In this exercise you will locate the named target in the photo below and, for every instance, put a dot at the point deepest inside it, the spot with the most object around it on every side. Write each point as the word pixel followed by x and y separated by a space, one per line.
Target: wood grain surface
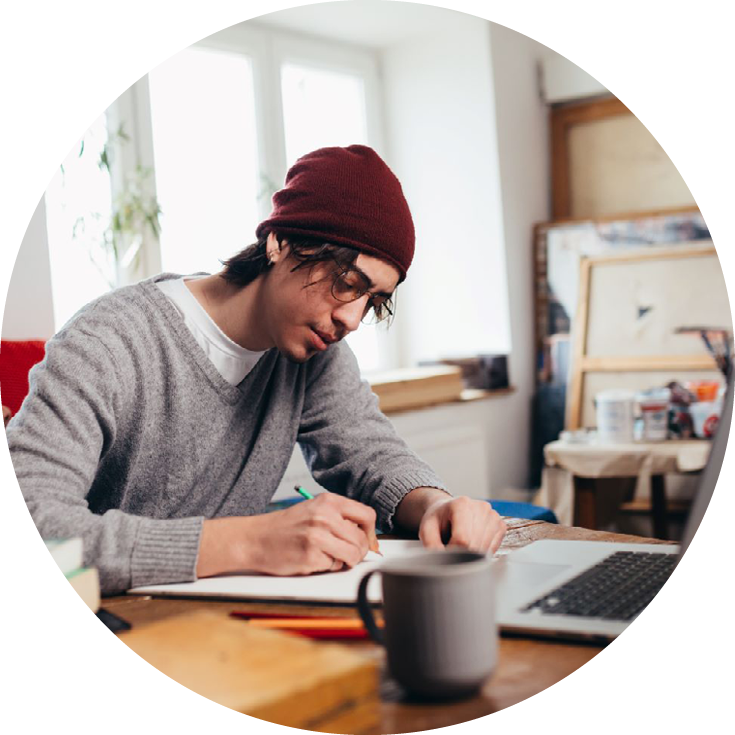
pixel 526 666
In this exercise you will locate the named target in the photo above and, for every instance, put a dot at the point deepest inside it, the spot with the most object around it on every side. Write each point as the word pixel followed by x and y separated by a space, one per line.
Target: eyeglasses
pixel 350 284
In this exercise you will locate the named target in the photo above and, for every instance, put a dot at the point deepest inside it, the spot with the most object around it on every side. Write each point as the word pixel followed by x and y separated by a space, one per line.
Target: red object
pixel 268 616
pixel 322 633
pixel 16 360
pixel 710 426
pixel 326 634
pixel 345 196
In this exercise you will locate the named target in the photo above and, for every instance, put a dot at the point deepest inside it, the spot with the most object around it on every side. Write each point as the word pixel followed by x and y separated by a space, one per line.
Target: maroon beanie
pixel 345 196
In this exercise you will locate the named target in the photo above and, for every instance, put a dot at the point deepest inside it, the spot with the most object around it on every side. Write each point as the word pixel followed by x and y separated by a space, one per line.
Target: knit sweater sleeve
pixel 65 427
pixel 349 445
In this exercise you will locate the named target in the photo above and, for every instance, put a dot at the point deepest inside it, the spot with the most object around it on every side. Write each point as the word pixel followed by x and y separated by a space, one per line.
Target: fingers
pixel 498 537
pixel 474 525
pixel 338 550
pixel 336 530
pixel 353 535
pixel 360 514
pixel 363 516
pixel 495 530
pixel 430 532
pixel 468 523
pixel 326 552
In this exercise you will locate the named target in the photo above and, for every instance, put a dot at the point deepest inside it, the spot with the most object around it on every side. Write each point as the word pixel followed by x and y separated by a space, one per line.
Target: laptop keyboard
pixel 617 588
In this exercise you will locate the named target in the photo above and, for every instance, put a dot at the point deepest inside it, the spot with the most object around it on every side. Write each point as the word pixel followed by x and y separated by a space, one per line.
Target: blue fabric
pixel 524 510
pixel 506 508
pixel 281 504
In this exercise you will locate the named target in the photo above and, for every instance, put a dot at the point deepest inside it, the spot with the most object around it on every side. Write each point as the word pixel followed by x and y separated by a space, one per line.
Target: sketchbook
pixel 329 587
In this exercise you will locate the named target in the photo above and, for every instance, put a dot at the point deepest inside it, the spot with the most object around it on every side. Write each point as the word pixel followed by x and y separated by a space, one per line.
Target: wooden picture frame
pixel 709 294
pixel 605 161
pixel 563 119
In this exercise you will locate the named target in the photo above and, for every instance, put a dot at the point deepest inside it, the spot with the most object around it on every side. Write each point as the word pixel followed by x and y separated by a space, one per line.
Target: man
pixel 162 419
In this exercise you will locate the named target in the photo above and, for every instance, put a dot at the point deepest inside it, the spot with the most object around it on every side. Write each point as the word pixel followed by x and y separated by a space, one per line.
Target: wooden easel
pixel 585 364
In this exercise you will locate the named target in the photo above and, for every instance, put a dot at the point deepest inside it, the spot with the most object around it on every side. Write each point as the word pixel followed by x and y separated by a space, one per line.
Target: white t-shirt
pixel 232 361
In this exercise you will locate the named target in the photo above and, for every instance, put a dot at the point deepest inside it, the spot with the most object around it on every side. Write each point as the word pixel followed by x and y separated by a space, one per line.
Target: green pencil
pixel 304 493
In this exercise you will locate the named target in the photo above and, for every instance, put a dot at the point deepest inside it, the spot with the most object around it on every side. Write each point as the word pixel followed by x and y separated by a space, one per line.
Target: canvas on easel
pixel 560 247
pixel 629 310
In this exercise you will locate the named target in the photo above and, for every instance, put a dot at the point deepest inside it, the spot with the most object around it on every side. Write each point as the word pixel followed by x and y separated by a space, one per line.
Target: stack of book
pixel 67 553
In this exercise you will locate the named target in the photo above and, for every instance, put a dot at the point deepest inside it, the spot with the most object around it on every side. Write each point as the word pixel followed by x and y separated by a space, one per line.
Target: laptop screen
pixel 711 472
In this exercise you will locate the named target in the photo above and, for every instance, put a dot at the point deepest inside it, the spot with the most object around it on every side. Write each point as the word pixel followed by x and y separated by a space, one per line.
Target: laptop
pixel 595 589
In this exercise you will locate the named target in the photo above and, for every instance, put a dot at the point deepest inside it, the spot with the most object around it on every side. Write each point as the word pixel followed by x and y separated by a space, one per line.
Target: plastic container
pixel 706 417
pixel 704 390
pixel 615 419
pixel 654 405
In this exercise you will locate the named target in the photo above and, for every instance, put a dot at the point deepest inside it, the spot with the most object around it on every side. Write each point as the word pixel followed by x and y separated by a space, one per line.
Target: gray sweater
pixel 130 438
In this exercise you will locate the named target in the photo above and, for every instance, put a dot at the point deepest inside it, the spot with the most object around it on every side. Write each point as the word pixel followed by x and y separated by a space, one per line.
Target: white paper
pixel 334 587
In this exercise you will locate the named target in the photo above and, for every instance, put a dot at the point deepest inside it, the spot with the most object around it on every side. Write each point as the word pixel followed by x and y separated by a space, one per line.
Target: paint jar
pixel 654 405
pixel 706 417
pixel 615 419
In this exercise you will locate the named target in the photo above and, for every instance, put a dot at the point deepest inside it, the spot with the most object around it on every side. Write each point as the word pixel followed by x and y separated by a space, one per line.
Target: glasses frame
pixel 387 304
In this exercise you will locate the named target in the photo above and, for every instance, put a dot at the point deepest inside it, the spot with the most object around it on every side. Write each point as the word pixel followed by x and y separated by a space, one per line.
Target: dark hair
pixel 244 267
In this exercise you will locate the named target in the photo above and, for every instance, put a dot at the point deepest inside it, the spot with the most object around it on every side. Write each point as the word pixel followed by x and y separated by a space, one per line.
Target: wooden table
pixel 590 463
pixel 526 666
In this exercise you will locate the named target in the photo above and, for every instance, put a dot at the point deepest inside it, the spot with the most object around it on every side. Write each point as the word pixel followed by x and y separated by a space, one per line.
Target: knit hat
pixel 345 196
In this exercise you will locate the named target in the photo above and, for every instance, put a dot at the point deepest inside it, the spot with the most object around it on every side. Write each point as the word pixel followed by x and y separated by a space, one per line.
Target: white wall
pixel 564 81
pixel 29 312
pixel 523 145
pixel 441 142
pixel 467 134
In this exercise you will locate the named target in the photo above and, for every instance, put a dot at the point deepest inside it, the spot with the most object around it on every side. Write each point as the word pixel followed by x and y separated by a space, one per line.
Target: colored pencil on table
pixel 331 628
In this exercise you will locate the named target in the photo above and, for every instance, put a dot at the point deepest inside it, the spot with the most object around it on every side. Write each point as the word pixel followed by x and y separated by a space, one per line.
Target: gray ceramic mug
pixel 440 633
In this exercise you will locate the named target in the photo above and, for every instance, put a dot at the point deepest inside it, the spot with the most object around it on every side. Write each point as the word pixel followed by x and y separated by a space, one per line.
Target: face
pixel 301 313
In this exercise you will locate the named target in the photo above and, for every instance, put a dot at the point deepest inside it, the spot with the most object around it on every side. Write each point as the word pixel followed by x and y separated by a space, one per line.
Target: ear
pixel 273 249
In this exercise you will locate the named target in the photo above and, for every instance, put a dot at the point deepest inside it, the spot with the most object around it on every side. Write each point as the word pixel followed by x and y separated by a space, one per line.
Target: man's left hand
pixel 470 524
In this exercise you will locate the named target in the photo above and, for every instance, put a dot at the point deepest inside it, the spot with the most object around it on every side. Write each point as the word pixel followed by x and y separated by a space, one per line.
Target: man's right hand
pixel 327 533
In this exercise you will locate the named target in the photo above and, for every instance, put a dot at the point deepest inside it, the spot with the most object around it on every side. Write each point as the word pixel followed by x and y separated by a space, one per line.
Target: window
pixel 327 108
pixel 205 157
pixel 321 108
pixel 78 208
pixel 221 122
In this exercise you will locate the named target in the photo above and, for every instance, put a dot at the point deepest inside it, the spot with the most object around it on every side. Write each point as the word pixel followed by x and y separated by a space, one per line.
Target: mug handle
pixel 366 612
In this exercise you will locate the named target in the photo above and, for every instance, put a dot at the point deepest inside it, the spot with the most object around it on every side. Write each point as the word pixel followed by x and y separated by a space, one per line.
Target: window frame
pixel 267 51
pixel 289 48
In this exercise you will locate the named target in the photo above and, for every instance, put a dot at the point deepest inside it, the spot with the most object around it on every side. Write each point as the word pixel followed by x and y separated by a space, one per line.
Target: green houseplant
pixel 114 239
